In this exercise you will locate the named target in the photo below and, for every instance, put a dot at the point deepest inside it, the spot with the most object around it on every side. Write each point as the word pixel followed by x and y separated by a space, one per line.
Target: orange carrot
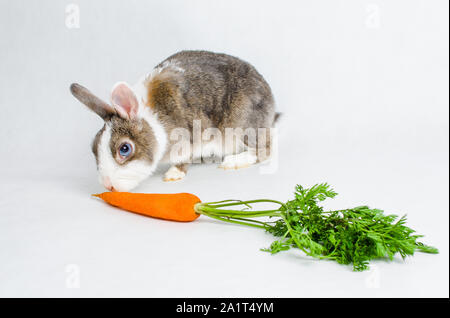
pixel 301 222
pixel 174 207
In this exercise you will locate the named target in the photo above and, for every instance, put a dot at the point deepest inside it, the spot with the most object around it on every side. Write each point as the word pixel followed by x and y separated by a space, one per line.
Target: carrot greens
pixel 349 236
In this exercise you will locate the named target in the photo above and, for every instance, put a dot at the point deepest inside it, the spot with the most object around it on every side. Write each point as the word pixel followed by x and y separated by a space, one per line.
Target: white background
pixel 363 86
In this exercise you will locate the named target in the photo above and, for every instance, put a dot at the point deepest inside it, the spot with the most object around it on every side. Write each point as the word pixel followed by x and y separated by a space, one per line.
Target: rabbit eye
pixel 125 149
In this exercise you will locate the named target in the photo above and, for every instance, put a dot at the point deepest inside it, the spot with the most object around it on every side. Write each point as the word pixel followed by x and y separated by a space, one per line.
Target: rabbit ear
pixel 94 103
pixel 124 101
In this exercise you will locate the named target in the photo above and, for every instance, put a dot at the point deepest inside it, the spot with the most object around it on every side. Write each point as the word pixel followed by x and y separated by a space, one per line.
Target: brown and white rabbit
pixel 217 91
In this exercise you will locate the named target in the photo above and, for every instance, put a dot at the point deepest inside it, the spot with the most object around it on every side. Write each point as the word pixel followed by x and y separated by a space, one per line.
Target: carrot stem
pixel 215 210
pixel 234 220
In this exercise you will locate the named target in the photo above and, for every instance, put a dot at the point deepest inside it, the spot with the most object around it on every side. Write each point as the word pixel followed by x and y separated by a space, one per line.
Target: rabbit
pixel 215 90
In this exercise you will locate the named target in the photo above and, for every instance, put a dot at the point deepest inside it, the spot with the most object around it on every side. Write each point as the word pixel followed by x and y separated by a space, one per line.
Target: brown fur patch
pixel 139 132
pixel 152 91
pixel 163 89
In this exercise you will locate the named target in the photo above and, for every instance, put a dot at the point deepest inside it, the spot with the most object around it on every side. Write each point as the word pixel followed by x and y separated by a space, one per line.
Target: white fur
pixel 241 160
pixel 140 90
pixel 172 64
pixel 174 174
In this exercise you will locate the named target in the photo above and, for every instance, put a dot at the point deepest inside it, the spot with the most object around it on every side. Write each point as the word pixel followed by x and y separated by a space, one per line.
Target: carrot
pixel 355 235
pixel 174 207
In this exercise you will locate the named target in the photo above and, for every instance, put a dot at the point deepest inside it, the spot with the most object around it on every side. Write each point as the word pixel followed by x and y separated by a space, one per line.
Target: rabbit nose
pixel 107 184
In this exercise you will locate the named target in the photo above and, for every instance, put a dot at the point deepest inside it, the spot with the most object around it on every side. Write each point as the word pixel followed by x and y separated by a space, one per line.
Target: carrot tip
pixel 96 195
